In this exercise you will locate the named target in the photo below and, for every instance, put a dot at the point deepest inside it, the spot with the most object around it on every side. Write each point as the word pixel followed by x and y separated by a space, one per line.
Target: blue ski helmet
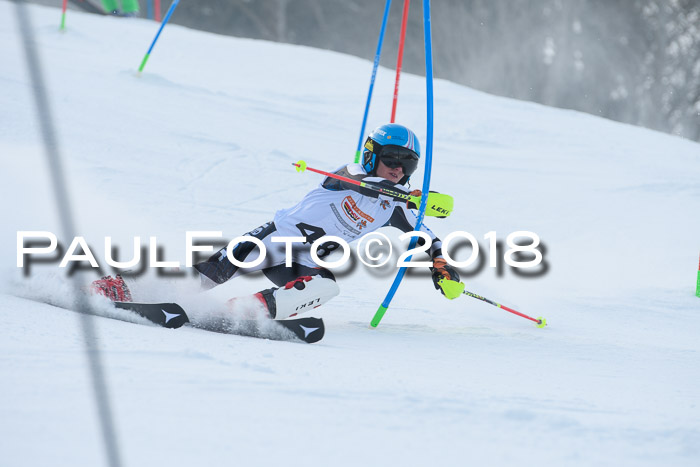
pixel 395 145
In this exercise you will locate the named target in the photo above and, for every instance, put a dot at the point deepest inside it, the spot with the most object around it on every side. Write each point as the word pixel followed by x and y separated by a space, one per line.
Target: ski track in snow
pixel 204 140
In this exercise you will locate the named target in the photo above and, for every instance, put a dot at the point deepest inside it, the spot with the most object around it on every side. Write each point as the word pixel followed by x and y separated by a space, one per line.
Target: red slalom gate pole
pixel 399 61
pixel 541 322
pixel 156 10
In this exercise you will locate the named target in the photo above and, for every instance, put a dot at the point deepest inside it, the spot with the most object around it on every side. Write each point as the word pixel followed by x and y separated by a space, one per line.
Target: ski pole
pixel 541 322
pixel 441 205
pixel 399 60
pixel 377 57
pixel 301 166
pixel 162 25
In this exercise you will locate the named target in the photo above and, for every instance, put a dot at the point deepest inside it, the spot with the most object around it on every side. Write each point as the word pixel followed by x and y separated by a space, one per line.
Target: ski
pixel 171 315
pixel 309 330
pixel 168 315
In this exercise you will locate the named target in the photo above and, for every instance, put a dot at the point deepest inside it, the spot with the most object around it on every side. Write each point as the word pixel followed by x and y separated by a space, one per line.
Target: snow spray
pixel 162 25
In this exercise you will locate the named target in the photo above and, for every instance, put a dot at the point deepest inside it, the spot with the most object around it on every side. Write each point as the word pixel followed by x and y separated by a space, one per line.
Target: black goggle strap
pixel 373 146
pixel 390 150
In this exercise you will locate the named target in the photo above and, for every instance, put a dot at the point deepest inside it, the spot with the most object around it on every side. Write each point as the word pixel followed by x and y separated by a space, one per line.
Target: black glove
pixel 411 204
pixel 442 270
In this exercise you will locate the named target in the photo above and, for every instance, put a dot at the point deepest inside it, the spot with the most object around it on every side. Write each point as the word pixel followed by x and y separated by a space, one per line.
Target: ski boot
pixel 298 296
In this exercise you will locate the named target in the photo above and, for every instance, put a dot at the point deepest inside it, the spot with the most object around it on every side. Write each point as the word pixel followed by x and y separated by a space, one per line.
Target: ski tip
pixel 168 315
pixel 313 331
pixel 314 336
pixel 309 329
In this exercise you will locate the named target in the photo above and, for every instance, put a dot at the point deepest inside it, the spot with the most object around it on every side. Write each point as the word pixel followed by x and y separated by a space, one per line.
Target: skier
pixel 335 208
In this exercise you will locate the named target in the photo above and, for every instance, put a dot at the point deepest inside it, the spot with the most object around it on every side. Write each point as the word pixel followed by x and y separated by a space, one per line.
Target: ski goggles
pixel 397 156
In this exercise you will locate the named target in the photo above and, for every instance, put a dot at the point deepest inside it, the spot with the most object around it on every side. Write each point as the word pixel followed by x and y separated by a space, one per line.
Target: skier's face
pixel 393 174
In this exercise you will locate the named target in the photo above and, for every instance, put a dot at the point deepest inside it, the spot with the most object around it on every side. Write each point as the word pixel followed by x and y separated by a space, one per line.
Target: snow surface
pixel 203 140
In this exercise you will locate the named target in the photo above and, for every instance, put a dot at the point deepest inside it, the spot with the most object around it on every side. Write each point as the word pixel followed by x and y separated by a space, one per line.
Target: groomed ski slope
pixel 204 140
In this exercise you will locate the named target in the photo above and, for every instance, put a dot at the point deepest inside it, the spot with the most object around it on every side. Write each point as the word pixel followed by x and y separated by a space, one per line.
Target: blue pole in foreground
pixel 428 161
pixel 377 56
pixel 162 25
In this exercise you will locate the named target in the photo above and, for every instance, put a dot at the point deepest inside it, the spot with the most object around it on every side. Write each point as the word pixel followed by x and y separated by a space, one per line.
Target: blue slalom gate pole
pixel 377 56
pixel 162 25
pixel 149 9
pixel 428 161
